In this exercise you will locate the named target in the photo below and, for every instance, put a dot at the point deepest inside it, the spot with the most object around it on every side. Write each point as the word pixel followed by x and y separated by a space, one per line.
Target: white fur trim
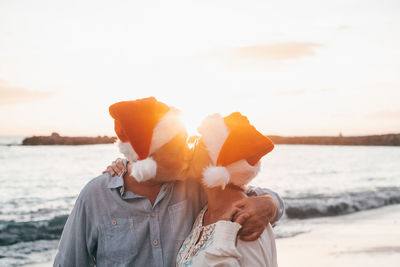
pixel 213 133
pixel 127 150
pixel 242 172
pixel 214 176
pixel 166 129
pixel 143 170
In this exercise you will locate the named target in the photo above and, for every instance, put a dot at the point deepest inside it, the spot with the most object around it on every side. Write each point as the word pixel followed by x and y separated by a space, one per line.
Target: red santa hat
pixel 235 148
pixel 143 126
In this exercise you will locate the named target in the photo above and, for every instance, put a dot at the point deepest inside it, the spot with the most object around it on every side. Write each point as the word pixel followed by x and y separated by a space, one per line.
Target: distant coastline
pixel 367 140
pixel 56 139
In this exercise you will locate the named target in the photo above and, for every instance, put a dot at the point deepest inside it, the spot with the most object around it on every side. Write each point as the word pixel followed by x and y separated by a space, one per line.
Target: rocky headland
pixel 56 139
pixel 367 140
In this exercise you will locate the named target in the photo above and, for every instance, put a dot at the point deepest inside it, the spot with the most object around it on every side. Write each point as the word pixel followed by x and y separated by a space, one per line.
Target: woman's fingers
pixel 110 171
pixel 230 214
pixel 241 217
pixel 120 166
pixel 116 167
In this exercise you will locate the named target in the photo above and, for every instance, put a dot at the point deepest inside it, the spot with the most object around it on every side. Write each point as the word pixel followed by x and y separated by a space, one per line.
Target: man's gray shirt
pixel 109 226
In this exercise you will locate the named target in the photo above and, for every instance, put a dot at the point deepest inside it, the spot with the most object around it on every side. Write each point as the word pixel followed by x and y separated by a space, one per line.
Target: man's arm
pixel 280 206
pixel 75 246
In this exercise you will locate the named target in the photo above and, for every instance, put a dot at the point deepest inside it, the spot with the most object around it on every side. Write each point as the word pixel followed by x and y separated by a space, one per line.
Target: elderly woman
pixel 228 157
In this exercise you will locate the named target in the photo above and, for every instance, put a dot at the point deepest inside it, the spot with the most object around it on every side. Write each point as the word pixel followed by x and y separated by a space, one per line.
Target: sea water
pixel 39 185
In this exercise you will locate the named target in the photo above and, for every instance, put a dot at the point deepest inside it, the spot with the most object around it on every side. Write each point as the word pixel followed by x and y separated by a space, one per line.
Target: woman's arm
pixel 225 252
pixel 261 252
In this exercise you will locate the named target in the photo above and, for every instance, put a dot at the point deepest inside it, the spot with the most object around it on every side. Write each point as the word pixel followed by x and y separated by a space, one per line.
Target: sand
pixel 368 238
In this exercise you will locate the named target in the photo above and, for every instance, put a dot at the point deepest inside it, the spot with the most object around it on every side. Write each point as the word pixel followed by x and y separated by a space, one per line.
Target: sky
pixel 293 68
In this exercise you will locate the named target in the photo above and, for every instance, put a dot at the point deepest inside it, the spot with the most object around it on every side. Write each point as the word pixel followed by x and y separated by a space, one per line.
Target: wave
pixel 310 206
pixel 38 253
pixel 12 232
pixel 323 205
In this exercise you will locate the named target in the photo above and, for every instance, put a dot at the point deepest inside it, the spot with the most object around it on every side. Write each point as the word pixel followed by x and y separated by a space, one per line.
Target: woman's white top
pixel 217 245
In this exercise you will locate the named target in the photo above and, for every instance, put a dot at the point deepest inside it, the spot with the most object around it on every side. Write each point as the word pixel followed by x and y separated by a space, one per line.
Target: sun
pixel 192 120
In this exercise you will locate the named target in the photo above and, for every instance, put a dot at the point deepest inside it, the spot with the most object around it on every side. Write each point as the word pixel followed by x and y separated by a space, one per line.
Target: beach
pixel 368 238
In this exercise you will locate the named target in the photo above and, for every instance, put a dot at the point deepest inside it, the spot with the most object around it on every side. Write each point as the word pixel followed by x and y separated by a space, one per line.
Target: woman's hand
pixel 116 167
pixel 235 214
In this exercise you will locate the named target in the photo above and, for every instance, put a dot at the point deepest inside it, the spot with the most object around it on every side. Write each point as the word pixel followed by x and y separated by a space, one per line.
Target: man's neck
pixel 146 189
pixel 220 201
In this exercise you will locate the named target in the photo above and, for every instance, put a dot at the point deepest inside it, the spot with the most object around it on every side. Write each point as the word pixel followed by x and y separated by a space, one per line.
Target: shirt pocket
pixel 180 225
pixel 120 244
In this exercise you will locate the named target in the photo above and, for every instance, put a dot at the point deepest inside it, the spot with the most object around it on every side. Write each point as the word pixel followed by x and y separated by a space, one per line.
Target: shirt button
pixel 114 222
pixel 155 242
pixel 153 214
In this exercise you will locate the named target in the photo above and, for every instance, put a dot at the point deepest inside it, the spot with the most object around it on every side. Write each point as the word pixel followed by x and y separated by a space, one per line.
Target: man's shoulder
pixel 95 186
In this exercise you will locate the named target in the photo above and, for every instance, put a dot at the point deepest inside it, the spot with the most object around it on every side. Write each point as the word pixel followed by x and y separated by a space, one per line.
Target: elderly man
pixel 140 218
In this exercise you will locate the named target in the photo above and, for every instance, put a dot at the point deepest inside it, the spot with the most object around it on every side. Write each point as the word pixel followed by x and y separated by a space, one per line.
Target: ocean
pixel 39 185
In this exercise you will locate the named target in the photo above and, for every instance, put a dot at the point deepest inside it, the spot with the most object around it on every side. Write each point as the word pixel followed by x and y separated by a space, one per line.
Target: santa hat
pixel 143 126
pixel 235 148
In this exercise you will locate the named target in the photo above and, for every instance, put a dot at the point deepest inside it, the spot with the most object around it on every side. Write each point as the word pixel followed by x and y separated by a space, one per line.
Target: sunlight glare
pixel 192 120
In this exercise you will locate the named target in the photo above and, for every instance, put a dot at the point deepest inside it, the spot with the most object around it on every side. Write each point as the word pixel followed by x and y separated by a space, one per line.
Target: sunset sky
pixel 293 67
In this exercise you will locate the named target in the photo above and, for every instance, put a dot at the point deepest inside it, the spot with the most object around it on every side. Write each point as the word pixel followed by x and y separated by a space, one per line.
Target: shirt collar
pixel 116 181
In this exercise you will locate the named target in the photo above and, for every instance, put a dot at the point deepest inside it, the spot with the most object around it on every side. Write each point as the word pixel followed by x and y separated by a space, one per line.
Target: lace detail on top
pixel 190 248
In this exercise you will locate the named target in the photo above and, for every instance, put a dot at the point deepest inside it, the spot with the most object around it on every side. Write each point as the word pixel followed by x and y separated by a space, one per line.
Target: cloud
pixel 243 96
pixel 10 95
pixel 343 27
pixel 293 92
pixel 385 114
pixel 281 51
pixel 297 92
pixel 6 35
pixel 261 54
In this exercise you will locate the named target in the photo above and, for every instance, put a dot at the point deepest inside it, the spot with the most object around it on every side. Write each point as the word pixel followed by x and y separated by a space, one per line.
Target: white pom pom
pixel 127 150
pixel 143 170
pixel 216 176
